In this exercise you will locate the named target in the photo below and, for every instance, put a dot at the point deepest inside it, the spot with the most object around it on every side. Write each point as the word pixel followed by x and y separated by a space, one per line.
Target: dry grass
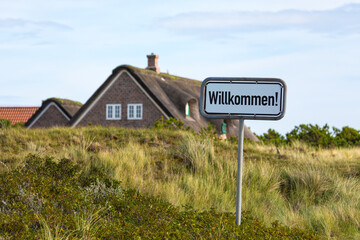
pixel 300 187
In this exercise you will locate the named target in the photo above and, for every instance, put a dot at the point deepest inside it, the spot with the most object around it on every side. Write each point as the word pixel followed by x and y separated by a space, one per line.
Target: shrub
pixel 45 194
pixel 5 123
pixel 272 137
pixel 347 136
pixel 19 125
pixel 170 123
pixel 208 132
pixel 48 199
pixel 313 135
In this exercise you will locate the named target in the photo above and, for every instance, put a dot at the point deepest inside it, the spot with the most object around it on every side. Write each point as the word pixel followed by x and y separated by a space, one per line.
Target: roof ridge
pixel 161 74
pixel 65 101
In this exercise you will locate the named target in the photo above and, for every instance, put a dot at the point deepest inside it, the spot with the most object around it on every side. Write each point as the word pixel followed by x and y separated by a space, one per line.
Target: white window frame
pixel 113 107
pixel 135 107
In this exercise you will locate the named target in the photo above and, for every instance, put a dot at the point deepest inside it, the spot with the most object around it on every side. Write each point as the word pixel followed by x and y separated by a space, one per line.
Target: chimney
pixel 153 63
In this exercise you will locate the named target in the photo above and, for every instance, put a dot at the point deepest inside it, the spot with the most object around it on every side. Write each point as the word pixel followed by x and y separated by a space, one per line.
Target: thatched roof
pixel 171 93
pixel 176 92
pixel 68 107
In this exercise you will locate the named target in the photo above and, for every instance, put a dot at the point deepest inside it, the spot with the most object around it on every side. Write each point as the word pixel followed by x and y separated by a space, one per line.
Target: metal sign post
pixel 242 98
pixel 239 171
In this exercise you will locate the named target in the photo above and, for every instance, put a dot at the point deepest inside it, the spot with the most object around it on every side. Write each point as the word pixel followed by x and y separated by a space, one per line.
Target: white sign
pixel 245 98
pixel 242 98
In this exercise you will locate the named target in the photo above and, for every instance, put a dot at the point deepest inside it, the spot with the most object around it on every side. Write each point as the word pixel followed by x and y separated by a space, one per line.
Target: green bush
pixel 272 137
pixel 174 124
pixel 45 192
pixel 48 199
pixel 170 123
pixel 315 136
pixel 208 132
pixel 5 123
pixel 347 136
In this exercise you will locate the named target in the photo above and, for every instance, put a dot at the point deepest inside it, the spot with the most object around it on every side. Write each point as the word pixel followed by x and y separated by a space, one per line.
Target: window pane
pixel 117 111
pixel 131 111
pixel 109 112
pixel 138 111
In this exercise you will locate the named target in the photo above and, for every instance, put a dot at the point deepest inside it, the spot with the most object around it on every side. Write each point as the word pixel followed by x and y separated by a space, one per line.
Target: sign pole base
pixel 239 171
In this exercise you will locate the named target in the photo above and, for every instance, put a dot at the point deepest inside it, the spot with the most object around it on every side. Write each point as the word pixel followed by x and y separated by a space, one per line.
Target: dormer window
pixel 192 110
pixel 187 110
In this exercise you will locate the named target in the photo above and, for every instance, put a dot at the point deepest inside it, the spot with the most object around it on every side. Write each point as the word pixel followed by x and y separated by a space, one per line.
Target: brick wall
pixel 51 118
pixel 123 91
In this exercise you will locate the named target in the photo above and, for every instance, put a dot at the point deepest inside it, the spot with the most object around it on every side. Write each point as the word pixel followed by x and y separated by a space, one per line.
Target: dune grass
pixel 303 187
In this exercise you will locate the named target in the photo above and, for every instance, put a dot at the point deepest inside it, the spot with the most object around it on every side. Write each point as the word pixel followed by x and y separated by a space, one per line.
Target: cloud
pixel 342 20
pixel 9 23
pixel 14 32
pixel 15 100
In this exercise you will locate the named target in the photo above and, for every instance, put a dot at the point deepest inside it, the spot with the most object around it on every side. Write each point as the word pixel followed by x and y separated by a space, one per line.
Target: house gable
pixel 49 115
pixel 124 90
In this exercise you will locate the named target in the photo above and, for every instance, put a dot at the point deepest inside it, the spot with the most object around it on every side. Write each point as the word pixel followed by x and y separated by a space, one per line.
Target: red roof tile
pixel 17 114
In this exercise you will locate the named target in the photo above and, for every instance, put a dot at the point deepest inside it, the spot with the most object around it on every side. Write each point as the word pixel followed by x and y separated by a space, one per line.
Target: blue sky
pixel 68 48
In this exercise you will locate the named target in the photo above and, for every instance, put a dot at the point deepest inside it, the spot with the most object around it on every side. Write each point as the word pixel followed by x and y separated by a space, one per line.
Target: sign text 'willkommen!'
pixel 247 98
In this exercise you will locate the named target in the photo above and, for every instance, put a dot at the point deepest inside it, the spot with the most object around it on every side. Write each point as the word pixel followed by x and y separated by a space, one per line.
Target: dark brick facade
pixel 123 91
pixel 52 117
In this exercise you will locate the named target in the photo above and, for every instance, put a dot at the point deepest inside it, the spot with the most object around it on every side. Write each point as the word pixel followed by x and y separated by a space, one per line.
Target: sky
pixel 67 49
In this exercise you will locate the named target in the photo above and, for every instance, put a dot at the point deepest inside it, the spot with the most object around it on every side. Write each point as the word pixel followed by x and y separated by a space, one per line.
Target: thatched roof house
pixel 53 112
pixel 135 97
